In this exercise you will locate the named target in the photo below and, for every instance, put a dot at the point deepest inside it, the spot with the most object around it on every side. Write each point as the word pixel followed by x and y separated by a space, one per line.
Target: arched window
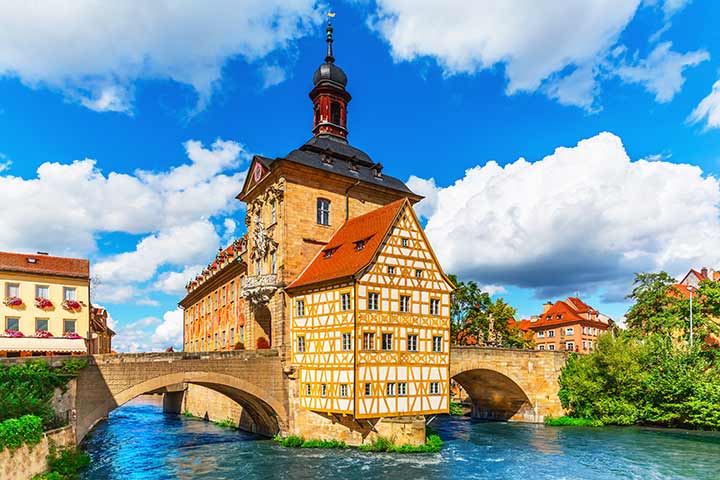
pixel 335 113
pixel 323 211
pixel 317 113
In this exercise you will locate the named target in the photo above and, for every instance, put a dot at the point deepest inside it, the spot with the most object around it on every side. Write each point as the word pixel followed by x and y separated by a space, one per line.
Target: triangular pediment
pixel 259 169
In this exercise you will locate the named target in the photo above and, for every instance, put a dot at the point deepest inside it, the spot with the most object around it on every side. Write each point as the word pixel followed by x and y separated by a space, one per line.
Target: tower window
pixel 335 113
pixel 323 211
pixel 317 113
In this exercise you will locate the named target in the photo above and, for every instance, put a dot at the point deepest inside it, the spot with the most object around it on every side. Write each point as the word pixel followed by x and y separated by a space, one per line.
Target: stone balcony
pixel 259 288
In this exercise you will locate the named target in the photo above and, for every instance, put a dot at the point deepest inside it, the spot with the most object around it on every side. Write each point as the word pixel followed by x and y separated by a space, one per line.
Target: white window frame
pixel 343 390
pixel 541 347
pixel 551 347
pixel 541 334
pixel 301 343
pixel 7 323
pixel 404 303
pixel 42 319
pixel 437 343
pixel 345 304
pixel 572 346
pixel 391 270
pixel 434 388
pixel 369 339
pixel 308 389
pixel 387 341
pixel 404 242
pixel 373 301
pixel 323 211
pixel 346 340
pixel 15 286
pixel 74 323
pixel 402 389
pixel 569 331
pixel 412 342
pixel 42 287
pixel 300 308
pixel 323 390
pixel 368 389
pixel 435 306
pixel 418 273
pixel 551 333
pixel 390 389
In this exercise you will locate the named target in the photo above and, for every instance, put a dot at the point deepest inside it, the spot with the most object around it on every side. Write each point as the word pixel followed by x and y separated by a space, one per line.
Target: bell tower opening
pixel 329 96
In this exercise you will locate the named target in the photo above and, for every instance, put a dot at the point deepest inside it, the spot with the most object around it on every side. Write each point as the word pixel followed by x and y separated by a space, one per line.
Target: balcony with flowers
pixel 13 302
pixel 43 303
pixel 72 305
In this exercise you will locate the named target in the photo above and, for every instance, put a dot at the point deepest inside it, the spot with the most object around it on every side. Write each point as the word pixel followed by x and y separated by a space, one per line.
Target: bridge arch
pixel 508 384
pixel 249 379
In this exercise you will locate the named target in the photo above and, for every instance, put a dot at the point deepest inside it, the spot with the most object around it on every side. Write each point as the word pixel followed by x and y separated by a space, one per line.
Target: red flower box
pixel 43 334
pixel 13 301
pixel 72 335
pixel 71 305
pixel 262 343
pixel 43 303
pixel 14 333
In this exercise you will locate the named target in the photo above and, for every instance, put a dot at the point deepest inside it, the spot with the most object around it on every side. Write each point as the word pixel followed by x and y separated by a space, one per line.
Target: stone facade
pixel 30 460
pixel 506 384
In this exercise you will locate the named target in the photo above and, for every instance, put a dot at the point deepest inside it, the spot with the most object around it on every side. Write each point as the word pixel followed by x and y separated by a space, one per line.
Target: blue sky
pixel 126 139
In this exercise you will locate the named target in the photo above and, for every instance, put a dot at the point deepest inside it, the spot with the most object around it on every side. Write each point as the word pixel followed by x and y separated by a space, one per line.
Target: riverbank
pixel 139 442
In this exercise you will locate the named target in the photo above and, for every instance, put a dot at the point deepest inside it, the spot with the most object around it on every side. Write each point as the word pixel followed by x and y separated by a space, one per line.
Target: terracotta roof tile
pixel 567 311
pixel 340 258
pixel 44 265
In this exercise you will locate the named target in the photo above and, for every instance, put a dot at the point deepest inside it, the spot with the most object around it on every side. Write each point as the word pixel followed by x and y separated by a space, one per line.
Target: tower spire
pixel 329 58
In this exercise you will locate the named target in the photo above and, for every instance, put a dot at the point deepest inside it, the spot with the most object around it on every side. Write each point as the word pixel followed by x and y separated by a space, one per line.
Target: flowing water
pixel 140 442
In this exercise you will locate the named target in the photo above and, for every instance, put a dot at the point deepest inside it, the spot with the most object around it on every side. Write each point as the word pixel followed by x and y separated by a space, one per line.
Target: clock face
pixel 258 172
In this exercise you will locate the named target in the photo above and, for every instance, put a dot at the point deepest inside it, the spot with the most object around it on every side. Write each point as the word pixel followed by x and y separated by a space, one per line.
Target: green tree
pixel 656 309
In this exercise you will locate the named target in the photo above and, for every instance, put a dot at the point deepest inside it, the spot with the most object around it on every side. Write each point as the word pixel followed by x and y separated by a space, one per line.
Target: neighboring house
pixel 213 308
pixel 101 334
pixel 568 324
pixel 690 282
pixel 46 305
pixel 335 273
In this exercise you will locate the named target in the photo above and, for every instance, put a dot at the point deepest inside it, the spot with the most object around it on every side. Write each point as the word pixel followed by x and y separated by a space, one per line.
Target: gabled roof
pixel 341 258
pixel 45 265
pixel 692 271
pixel 571 310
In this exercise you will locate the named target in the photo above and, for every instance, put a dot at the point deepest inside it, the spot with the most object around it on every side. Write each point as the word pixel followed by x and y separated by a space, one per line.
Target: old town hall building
pixel 335 273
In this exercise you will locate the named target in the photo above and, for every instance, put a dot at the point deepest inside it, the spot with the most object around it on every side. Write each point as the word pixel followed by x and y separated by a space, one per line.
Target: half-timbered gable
pixel 371 320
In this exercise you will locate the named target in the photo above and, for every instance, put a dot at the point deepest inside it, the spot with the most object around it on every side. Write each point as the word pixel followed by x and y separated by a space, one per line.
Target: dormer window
pixel 359 245
pixel 329 252
pixel 377 170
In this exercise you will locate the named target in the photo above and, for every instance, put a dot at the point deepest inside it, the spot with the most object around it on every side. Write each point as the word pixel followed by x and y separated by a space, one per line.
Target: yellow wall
pixel 28 312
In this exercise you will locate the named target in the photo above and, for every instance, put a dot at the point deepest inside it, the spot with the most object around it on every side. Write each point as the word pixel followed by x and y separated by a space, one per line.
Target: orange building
pixel 568 324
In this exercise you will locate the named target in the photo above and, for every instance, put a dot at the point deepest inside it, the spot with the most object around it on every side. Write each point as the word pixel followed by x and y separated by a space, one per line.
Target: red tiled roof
pixel 683 290
pixel 524 325
pixel 340 258
pixel 44 265
pixel 567 311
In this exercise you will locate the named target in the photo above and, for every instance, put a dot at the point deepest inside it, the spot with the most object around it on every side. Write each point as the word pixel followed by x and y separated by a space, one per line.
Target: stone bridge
pixel 502 384
pixel 509 384
pixel 253 379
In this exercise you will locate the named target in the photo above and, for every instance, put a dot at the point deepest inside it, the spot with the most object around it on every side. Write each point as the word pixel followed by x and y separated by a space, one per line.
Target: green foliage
pixel 66 465
pixel 565 421
pixel 477 319
pixel 292 441
pixel 188 414
pixel 324 444
pixel 227 423
pixel 28 388
pixel 649 380
pixel 16 432
pixel 433 444
pixel 456 409
pixel 49 476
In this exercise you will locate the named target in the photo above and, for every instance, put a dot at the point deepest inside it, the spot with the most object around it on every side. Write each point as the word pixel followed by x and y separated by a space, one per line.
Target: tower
pixel 329 97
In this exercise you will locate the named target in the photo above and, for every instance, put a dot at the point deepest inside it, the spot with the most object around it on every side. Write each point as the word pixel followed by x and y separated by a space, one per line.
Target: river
pixel 140 442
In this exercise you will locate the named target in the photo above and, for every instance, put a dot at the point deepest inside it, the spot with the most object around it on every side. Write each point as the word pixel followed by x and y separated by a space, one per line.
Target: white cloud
pixel 272 75
pixel 708 110
pixel 493 289
pixel 661 73
pixel 533 40
pixel 140 336
pixel 173 283
pixel 66 205
pixel 584 218
pixel 95 51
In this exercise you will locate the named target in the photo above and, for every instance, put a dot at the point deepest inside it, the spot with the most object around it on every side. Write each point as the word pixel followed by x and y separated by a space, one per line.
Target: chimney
pixel 546 306
pixel 704 271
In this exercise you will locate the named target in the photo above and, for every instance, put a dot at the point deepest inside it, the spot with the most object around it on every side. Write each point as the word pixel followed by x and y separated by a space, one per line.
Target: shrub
pixel 456 408
pixel 433 444
pixel 227 423
pixel 380 444
pixel 68 463
pixel 262 343
pixel 292 441
pixel 565 421
pixel 239 346
pixel 16 432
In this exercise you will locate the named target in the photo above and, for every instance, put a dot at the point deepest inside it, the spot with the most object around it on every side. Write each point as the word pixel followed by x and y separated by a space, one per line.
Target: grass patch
pixel 188 414
pixel 433 444
pixel 227 423
pixel 565 421
pixel 456 408
pixel 295 441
